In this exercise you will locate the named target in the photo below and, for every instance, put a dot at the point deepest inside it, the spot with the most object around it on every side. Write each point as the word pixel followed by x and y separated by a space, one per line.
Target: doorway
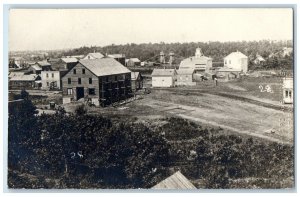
pixel 79 93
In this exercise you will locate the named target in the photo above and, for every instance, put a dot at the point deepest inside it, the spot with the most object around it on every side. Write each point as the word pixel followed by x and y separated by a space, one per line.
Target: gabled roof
pixel 95 55
pixel 69 60
pixel 135 75
pixel 135 60
pixel 193 62
pixel 176 181
pixel 163 72
pixel 236 55
pixel 187 71
pixel 13 74
pixel 104 66
pixel 36 67
pixel 44 63
pixel 31 77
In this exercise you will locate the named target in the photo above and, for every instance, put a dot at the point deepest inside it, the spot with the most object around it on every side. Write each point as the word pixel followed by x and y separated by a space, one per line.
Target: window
pixel 47 84
pixel 79 80
pixel 83 71
pixel 290 94
pixel 116 78
pixel 225 62
pixel 47 75
pixel 69 80
pixel 74 71
pixel 286 93
pixel 70 91
pixel 52 75
pixel 90 80
pixel 92 91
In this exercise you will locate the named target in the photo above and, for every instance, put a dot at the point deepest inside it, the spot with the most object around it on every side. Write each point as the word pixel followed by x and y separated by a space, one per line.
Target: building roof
pixel 226 69
pixel 116 55
pixel 36 67
pixel 135 75
pixel 260 58
pixel 12 74
pixel 135 60
pixel 163 72
pixel 176 181
pixel 194 62
pixel 69 60
pixel 187 71
pixel 31 77
pixel 236 55
pixel 44 63
pixel 96 55
pixel 104 66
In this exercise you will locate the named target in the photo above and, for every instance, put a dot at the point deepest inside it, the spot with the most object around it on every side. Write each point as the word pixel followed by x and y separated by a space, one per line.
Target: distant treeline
pixel 216 50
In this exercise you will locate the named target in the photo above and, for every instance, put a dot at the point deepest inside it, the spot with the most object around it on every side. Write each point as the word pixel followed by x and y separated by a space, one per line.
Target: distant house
pixel 227 74
pixel 19 62
pixel 119 57
pixel 185 77
pixel 163 77
pixel 287 51
pixel 99 81
pixel 132 62
pixel 46 66
pixel 259 59
pixel 176 181
pixel 136 81
pixel 78 57
pixel 92 56
pixel 23 81
pixel 288 90
pixel 199 63
pixel 51 80
pixel 35 69
pixel 236 61
pixel 69 63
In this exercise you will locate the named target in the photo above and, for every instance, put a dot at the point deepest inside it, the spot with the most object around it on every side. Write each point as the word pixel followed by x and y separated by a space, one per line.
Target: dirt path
pixel 234 115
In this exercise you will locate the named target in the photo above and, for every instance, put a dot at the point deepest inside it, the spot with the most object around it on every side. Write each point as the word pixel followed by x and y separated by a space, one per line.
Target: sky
pixel 50 29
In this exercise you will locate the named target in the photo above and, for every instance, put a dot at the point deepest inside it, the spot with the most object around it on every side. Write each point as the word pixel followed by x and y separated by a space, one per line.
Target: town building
pixel 185 77
pixel 69 62
pixel 119 57
pixel 226 74
pixel 23 81
pixel 18 62
pixel 136 81
pixel 287 51
pixel 288 90
pixel 51 80
pixel 98 81
pixel 236 61
pixel 163 77
pixel 259 60
pixel 132 62
pixel 199 63
pixel 94 56
pixel 175 181
pixel 35 69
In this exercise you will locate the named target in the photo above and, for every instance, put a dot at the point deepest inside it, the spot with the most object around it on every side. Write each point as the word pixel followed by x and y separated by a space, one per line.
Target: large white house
pixel 237 61
pixel 51 80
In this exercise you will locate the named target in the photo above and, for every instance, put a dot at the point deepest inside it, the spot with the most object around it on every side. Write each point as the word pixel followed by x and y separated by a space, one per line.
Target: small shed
pixel 163 77
pixel 185 77
pixel 133 62
pixel 176 181
pixel 136 81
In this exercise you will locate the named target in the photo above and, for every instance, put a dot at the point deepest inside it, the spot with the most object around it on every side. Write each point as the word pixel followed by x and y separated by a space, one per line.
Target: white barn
pixel 199 63
pixel 237 61
pixel 163 77
pixel 288 90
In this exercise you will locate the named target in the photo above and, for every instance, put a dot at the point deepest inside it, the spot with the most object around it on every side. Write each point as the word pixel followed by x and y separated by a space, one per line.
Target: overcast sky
pixel 60 28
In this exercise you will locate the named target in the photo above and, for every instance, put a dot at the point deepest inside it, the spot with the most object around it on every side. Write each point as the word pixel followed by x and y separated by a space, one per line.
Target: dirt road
pixel 232 114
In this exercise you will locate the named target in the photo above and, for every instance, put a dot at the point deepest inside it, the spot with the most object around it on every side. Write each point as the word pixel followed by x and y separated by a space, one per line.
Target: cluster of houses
pixel 105 79
pixel 198 68
pixel 99 79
